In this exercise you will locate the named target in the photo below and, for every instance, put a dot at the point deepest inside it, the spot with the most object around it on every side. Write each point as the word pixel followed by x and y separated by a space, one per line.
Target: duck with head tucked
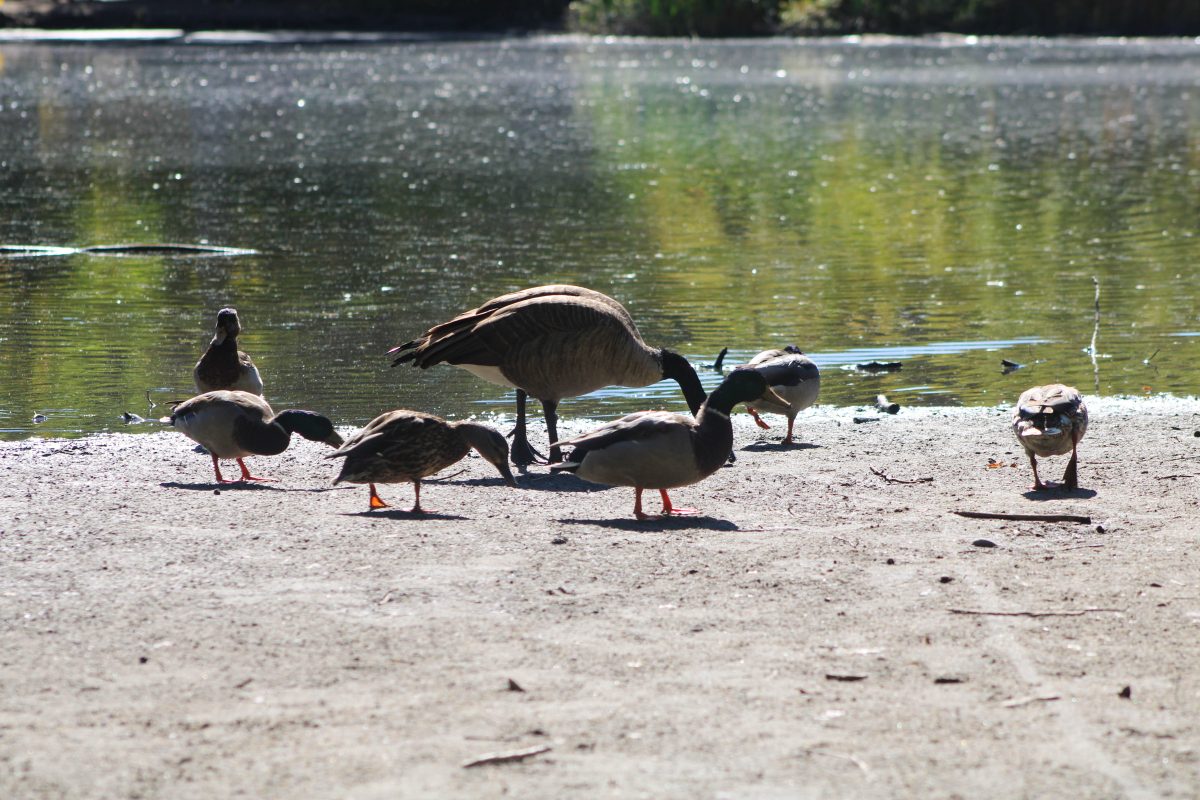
pixel 661 450
pixel 234 424
pixel 406 446
pixel 1049 421
pixel 223 366
pixel 550 342
pixel 793 376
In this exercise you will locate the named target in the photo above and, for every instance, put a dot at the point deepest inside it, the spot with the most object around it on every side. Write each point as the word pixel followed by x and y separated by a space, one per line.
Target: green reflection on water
pixel 861 201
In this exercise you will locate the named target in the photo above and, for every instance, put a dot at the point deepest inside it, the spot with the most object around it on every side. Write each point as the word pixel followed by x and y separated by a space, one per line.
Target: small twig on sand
pixel 441 478
pixel 504 758
pixel 1095 333
pixel 1078 613
pixel 1025 517
pixel 890 479
pixel 764 530
pixel 858 762
pixel 1024 701
pixel 1173 477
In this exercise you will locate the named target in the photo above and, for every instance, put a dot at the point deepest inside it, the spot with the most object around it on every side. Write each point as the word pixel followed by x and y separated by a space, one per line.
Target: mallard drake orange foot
pixel 758 420
pixel 668 510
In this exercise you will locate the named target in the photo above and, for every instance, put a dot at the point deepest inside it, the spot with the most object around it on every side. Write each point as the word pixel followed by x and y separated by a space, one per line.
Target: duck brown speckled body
pixel 661 450
pixel 406 446
pixel 235 424
pixel 1049 421
pixel 793 376
pixel 550 342
pixel 223 366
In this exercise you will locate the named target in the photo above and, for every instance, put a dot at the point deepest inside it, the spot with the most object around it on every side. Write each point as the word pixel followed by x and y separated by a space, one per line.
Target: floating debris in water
pixel 881 402
pixel 1009 366
pixel 33 250
pixel 879 366
pixel 716 365
pixel 132 419
pixel 38 419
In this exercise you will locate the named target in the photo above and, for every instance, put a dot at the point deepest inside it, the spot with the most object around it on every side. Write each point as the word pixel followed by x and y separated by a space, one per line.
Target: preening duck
pixel 223 366
pixel 403 445
pixel 1049 421
pixel 550 342
pixel 661 450
pixel 793 376
pixel 235 424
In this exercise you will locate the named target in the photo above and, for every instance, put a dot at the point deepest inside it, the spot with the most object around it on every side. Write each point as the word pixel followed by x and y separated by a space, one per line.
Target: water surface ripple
pixel 945 203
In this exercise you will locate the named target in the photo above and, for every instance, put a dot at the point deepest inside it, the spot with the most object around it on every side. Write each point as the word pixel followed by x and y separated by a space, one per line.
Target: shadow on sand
pixel 1053 492
pixel 672 523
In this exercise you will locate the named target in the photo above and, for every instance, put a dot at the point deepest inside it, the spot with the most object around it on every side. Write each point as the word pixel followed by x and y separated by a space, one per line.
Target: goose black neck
pixel 677 368
pixel 310 425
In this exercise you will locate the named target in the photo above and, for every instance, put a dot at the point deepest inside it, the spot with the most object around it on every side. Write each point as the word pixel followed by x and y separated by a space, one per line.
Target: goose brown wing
pixel 467 322
pixel 493 338
pixel 634 427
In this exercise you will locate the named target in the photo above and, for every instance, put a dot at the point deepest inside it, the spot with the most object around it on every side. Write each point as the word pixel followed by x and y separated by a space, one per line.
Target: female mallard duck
pixel 1049 421
pixel 232 424
pixel 405 445
pixel 793 376
pixel 223 366
pixel 661 450
pixel 550 342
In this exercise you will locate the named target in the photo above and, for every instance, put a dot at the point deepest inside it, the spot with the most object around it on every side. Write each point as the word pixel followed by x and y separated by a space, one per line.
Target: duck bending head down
pixel 405 446
pixel 235 424
pixel 661 450
pixel 550 342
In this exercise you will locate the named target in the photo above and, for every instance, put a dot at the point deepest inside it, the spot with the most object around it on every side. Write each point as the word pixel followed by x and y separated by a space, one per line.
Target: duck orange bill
pixel 770 394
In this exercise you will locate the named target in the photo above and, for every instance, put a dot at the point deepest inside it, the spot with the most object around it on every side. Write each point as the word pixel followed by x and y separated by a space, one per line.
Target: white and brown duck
pixel 792 376
pixel 1049 421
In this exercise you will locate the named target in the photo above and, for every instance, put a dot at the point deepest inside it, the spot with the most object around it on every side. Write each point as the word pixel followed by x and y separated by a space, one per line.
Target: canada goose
pixel 550 342
pixel 661 450
pixel 1049 421
pixel 235 424
pixel 406 445
pixel 223 366
pixel 793 376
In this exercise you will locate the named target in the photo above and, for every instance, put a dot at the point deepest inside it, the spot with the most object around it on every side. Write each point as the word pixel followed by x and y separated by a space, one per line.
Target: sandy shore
pixel 819 632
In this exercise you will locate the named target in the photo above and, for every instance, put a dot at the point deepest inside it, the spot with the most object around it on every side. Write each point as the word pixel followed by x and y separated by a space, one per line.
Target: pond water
pixel 942 203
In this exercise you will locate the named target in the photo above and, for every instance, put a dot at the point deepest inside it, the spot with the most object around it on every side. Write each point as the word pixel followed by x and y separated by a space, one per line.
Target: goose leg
pixel 217 469
pixel 246 476
pixel 376 500
pixel 788 439
pixel 637 504
pixel 416 509
pixel 758 420
pixel 669 510
pixel 550 412
pixel 522 454
pixel 1037 482
pixel 1071 476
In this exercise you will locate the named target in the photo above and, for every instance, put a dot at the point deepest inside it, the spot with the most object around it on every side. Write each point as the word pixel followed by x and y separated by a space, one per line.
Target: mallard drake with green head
pixel 405 446
pixel 1049 421
pixel 793 376
pixel 235 424
pixel 550 342
pixel 661 450
pixel 223 366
